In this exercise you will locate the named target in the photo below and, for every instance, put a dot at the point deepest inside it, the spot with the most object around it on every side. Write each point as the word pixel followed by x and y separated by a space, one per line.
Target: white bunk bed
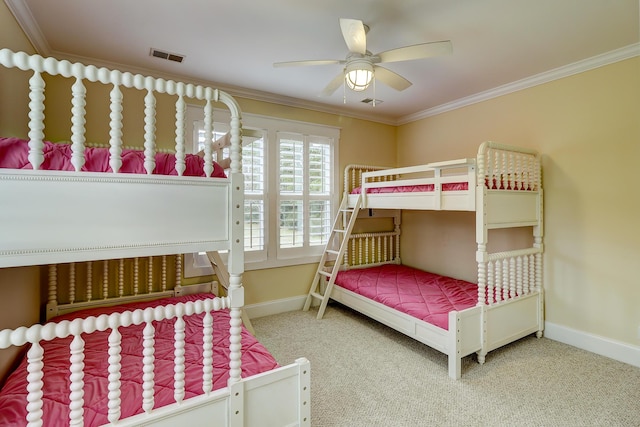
pixel 502 185
pixel 66 218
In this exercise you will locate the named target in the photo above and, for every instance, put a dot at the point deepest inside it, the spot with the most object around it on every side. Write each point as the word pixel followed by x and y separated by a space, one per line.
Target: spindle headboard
pixel 78 285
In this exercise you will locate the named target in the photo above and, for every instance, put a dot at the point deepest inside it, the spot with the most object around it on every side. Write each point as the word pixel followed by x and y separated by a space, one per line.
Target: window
pixel 304 193
pixel 290 176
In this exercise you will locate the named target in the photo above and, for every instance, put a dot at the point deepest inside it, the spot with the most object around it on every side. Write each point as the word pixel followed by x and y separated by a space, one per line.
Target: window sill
pixel 202 269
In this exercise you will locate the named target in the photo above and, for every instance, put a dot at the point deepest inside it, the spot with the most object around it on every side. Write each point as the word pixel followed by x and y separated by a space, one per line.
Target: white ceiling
pixel 234 43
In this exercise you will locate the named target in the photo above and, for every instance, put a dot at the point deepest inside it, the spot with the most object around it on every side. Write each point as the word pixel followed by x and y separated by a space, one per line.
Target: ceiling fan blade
pixel 391 79
pixel 354 35
pixel 333 85
pixel 307 62
pixel 418 51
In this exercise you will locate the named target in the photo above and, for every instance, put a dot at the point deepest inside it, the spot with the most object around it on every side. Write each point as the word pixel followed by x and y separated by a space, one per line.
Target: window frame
pixel 305 196
pixel 271 256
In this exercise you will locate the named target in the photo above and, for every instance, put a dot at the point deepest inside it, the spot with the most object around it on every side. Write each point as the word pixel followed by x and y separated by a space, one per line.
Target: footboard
pixel 511 294
pixel 77 330
pixel 280 397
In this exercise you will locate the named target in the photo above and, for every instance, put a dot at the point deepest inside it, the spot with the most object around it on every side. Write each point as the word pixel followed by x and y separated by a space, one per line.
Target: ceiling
pixel 234 43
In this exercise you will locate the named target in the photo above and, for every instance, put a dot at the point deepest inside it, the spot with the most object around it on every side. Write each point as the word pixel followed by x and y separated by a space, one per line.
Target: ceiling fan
pixel 360 65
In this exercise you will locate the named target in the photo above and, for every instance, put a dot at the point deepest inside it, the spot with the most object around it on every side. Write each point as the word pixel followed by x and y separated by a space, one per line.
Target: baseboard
pixel 275 307
pixel 612 349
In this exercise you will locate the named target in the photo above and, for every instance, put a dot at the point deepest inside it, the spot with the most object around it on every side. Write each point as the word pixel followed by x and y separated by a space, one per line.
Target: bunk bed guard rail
pixel 34 186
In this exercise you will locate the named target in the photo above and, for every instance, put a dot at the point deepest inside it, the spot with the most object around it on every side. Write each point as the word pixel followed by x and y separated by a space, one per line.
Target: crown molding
pixel 597 61
pixel 25 19
pixel 528 82
pixel 27 22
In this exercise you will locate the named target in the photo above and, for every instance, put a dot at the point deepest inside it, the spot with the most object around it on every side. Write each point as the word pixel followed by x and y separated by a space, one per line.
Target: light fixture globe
pixel 358 74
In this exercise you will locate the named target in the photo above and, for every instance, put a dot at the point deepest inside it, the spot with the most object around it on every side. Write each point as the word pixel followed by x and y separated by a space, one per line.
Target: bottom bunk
pixel 440 311
pixel 160 361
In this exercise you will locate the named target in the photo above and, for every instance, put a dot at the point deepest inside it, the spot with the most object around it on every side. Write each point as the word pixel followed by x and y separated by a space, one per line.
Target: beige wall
pixel 587 128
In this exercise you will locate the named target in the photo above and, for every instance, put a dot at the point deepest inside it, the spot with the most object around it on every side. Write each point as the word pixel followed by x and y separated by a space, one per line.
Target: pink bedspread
pixel 255 359
pixel 14 155
pixel 423 295
pixel 454 186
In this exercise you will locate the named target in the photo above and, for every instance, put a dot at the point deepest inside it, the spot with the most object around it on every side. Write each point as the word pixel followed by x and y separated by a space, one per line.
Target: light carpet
pixel 366 374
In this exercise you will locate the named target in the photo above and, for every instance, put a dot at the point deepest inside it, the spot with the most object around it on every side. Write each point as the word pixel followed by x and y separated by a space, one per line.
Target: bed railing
pixel 369 249
pixel 75 328
pixel 353 176
pixel 43 245
pixel 118 80
pixel 507 275
pixel 437 173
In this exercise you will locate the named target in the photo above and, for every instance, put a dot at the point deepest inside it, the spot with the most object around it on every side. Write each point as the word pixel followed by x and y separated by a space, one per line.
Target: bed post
pixel 453 355
pixel 538 233
pixel 236 252
pixel 397 220
pixel 482 236
pixel 52 299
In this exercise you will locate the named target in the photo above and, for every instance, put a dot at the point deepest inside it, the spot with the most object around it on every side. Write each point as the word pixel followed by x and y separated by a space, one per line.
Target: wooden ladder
pixel 331 258
pixel 223 277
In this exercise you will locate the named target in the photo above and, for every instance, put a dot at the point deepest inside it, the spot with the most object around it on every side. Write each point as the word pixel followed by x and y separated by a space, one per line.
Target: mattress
pixel 13 396
pixel 420 294
pixel 454 186
pixel 14 154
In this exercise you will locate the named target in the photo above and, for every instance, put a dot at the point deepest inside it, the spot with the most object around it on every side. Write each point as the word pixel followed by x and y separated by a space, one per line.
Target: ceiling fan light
pixel 358 75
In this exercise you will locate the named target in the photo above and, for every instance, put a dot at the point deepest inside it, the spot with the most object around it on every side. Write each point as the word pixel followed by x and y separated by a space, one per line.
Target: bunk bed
pixel 111 219
pixel 503 186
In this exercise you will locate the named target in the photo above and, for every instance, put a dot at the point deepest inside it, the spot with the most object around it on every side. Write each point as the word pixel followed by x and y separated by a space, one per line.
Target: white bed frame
pixel 513 278
pixel 50 217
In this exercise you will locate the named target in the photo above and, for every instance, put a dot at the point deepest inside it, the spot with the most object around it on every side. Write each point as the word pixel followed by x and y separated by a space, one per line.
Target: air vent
pixel 166 55
pixel 372 101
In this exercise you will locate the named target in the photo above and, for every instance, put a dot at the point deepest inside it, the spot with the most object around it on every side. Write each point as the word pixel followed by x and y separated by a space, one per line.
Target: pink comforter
pixel 420 294
pixel 14 155
pixel 255 359
pixel 454 186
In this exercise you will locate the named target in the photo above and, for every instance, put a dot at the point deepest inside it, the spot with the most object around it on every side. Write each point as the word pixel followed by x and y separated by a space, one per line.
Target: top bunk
pixel 80 201
pixel 501 181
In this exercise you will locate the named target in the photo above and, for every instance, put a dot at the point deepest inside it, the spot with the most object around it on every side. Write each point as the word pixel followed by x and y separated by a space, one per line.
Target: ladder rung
pixel 346 210
pixel 337 230
pixel 324 273
pixel 317 295
pixel 331 251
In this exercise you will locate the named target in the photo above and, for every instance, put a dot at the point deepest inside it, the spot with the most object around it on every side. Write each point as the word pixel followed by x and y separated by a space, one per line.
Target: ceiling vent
pixel 166 55
pixel 372 101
